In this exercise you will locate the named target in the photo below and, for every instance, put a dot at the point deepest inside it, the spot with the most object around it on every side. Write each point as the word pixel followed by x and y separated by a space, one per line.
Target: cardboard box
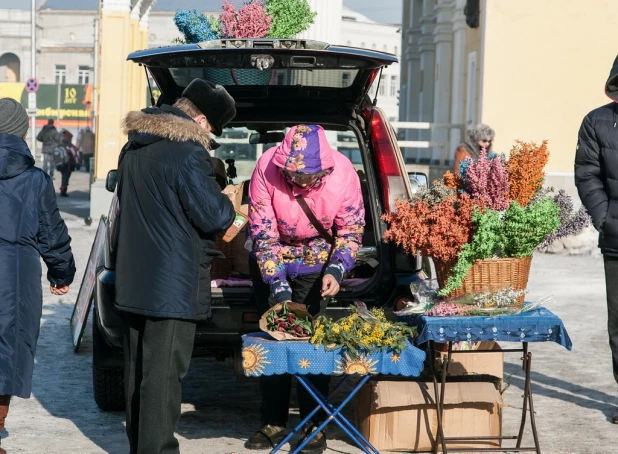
pixel 401 415
pixel 477 363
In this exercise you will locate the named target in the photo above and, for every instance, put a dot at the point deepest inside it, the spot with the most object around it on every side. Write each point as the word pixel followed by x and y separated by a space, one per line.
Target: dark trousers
pixel 157 355
pixel 275 389
pixel 611 285
pixel 65 171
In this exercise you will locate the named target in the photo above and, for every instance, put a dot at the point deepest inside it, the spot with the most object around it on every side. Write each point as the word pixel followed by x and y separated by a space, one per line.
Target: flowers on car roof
pixel 281 19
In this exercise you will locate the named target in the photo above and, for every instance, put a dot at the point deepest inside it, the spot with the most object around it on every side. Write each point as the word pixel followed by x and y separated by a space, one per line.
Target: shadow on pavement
pixel 63 381
pixel 568 391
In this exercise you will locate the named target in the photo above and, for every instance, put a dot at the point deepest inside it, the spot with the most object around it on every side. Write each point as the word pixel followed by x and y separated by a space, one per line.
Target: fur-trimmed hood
pixel 167 123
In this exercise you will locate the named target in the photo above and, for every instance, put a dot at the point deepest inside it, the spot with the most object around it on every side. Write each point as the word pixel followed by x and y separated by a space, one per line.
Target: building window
pixel 61 74
pixel 385 48
pixel 374 46
pixel 393 86
pixel 396 50
pixel 349 44
pixel 382 85
pixel 363 45
pixel 345 80
pixel 83 75
pixel 471 90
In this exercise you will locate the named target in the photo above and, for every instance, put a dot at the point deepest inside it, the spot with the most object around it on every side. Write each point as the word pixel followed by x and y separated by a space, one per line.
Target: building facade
pixel 505 64
pixel 69 53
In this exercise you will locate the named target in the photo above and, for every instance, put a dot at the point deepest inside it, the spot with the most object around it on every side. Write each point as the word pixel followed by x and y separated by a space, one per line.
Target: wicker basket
pixel 489 276
pixel 222 267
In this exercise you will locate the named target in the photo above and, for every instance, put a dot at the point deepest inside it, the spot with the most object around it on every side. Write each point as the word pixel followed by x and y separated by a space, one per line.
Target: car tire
pixel 107 382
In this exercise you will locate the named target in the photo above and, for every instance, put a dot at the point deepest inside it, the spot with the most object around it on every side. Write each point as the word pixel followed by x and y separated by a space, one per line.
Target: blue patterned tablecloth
pixel 539 325
pixel 262 355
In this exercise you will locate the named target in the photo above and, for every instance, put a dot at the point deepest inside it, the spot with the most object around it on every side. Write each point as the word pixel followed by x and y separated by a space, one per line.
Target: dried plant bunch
pixel 525 168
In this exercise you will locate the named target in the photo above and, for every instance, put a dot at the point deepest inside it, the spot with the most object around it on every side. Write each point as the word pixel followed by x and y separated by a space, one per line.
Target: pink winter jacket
pixel 285 243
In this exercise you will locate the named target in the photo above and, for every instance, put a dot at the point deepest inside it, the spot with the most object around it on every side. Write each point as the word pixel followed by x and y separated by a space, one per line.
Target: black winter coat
pixel 170 208
pixel 596 167
pixel 30 228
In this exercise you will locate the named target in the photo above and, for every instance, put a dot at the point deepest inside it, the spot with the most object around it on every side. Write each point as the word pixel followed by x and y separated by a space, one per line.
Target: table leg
pixel 336 416
pixel 529 395
pixel 526 368
pixel 300 425
pixel 438 396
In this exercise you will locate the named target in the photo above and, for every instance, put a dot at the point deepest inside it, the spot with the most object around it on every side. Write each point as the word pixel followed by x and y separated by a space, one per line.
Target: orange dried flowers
pixel 438 231
pixel 525 168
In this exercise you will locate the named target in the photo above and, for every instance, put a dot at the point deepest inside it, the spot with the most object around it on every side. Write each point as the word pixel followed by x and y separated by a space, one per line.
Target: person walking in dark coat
pixel 171 206
pixel 596 178
pixel 30 228
pixel 48 135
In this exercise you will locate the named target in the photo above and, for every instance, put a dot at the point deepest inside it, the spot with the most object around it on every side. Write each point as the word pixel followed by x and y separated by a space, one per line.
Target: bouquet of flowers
pixel 282 19
pixel 494 208
pixel 288 321
pixel 363 330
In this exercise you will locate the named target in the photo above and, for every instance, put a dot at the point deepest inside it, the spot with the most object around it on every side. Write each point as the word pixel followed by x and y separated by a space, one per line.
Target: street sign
pixel 32 100
pixel 31 112
pixel 32 85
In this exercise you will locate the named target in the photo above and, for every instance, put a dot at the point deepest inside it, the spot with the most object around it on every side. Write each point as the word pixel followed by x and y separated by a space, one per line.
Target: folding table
pixel 539 325
pixel 263 355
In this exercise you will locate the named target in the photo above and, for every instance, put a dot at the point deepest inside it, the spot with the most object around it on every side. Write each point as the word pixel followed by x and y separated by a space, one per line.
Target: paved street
pixel 575 391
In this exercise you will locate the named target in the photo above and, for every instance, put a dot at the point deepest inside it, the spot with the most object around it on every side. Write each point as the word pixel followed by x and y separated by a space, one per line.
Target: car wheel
pixel 107 382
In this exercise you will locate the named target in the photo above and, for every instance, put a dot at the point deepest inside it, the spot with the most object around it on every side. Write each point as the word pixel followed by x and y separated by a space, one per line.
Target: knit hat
pixel 13 118
pixel 213 101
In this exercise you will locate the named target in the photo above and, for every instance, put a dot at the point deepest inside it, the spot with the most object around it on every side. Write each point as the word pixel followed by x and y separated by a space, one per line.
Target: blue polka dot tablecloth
pixel 262 355
pixel 538 325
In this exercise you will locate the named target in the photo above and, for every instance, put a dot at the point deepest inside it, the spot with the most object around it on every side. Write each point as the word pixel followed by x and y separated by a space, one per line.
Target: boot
pixel 63 191
pixel 4 409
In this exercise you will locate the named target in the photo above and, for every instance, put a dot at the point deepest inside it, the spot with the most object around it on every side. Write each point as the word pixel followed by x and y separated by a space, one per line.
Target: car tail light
pixel 250 317
pixel 393 179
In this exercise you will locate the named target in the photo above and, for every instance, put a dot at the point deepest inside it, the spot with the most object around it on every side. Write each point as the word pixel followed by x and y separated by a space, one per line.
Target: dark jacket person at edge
pixel 171 207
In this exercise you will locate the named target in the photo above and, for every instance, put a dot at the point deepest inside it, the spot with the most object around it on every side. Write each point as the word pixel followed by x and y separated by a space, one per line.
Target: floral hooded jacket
pixel 285 243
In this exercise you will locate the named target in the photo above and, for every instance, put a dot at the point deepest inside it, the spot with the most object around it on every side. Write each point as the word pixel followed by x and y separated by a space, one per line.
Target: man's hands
pixel 330 286
pixel 59 289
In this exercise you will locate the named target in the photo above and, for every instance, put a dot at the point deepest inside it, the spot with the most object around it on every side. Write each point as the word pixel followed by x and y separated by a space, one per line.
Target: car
pixel 300 81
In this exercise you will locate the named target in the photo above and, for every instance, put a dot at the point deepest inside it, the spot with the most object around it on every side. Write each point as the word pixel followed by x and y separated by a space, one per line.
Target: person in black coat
pixel 30 228
pixel 596 178
pixel 171 206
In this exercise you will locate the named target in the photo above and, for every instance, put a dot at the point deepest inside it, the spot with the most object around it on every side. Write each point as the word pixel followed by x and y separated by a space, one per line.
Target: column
pixel 119 88
pixel 414 73
pixel 443 40
pixel 428 61
pixel 136 98
pixel 142 86
pixel 458 106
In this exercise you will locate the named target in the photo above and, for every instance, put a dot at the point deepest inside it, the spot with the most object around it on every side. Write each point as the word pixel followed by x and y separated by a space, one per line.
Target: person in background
pixel 68 163
pixel 298 259
pixel 85 144
pixel 48 135
pixel 30 228
pixel 596 178
pixel 171 209
pixel 480 137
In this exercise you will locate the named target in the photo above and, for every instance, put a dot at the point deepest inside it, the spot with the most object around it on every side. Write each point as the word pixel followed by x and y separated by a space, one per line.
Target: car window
pixel 234 144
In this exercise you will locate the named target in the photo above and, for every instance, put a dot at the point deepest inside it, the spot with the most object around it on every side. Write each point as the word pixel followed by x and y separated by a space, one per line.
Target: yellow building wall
pixel 114 80
pixel 545 64
pixel 122 85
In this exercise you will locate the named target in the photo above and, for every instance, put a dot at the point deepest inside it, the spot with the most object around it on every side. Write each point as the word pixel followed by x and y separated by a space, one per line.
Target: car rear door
pixel 275 78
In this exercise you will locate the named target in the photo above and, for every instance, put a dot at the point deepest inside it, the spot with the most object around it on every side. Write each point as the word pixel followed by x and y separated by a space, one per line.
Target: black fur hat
pixel 213 101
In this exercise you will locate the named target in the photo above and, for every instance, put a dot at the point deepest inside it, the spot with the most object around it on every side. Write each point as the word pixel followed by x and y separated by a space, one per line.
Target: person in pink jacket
pixel 291 259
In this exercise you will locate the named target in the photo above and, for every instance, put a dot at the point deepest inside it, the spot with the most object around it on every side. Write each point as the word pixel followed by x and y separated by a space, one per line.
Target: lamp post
pixel 33 75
